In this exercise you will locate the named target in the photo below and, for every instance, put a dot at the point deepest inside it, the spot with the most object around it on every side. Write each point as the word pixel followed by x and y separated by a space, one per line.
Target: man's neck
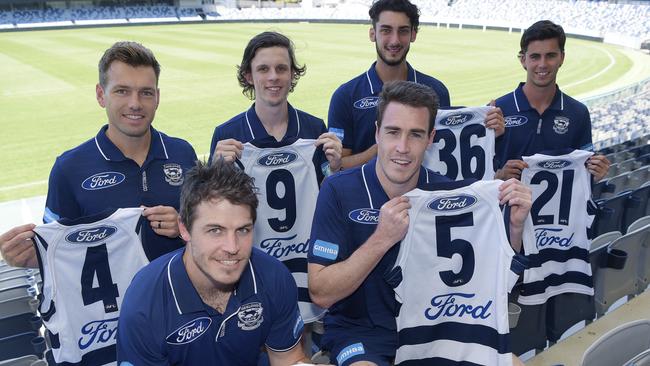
pixel 275 119
pixel 391 73
pixel 134 148
pixel 394 189
pixel 213 294
pixel 540 98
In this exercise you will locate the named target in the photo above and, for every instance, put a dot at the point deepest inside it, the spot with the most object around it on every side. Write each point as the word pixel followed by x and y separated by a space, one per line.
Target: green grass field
pixel 47 80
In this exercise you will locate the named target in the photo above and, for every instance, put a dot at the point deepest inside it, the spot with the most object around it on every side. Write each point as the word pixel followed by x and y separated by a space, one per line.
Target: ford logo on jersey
pixel 276 159
pixel 190 331
pixel 456 120
pixel 91 235
pixel 455 304
pixel 369 216
pixel 102 180
pixel 98 332
pixel 515 121
pixel 554 164
pixel 452 203
pixel 366 103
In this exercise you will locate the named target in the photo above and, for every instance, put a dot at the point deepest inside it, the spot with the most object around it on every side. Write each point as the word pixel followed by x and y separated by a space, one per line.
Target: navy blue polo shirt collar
pixel 376 194
pixel 187 299
pixel 375 84
pixel 522 104
pixel 257 130
pixel 110 152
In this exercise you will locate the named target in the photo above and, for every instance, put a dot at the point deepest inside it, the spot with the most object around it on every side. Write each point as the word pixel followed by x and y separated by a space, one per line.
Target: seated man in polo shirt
pixel 218 300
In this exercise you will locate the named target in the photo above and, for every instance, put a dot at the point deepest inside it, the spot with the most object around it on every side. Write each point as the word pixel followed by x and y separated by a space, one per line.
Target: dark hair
pixel 410 94
pixel 266 40
pixel 398 6
pixel 540 31
pixel 131 53
pixel 216 181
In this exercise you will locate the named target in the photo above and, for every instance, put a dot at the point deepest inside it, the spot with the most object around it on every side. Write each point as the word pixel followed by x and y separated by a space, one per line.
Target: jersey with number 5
pixel 559 255
pixel 87 265
pixel 454 270
pixel 462 147
pixel 285 174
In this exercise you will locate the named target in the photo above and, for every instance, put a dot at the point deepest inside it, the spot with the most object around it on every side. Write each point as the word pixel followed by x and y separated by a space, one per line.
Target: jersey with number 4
pixel 87 265
pixel 285 174
pixel 453 273
pixel 561 186
pixel 462 147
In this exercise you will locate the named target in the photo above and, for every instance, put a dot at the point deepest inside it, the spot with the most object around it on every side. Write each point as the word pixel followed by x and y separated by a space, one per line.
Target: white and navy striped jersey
pixel 456 268
pixel 87 265
pixel 285 174
pixel 559 256
pixel 462 146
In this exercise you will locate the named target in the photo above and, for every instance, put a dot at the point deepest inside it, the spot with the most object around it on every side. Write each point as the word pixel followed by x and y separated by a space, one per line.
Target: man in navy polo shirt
pixel 127 164
pixel 218 300
pixel 362 214
pixel 352 110
pixel 539 116
pixel 267 74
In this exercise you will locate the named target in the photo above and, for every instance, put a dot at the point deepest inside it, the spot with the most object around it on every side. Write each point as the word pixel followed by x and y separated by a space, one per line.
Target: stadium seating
pixel 642 359
pixel 29 360
pixel 619 345
pixel 617 277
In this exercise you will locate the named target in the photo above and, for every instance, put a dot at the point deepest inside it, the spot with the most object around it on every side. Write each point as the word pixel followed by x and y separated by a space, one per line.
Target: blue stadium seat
pixel 636 206
pixel 566 310
pixel 19 345
pixel 609 216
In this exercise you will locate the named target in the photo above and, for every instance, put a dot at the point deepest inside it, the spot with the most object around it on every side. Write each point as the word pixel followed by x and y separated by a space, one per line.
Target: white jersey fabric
pixel 462 146
pixel 559 256
pixel 87 265
pixel 288 188
pixel 456 267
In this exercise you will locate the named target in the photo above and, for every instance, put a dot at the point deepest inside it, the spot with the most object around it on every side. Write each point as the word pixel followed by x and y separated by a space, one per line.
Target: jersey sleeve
pixel 327 239
pixel 136 336
pixel 216 136
pixel 339 118
pixel 60 202
pixel 585 142
pixel 287 323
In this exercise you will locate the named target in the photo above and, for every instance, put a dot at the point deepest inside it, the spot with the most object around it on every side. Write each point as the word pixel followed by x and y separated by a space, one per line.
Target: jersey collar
pixel 374 190
pixel 256 128
pixel 522 104
pixel 375 84
pixel 187 299
pixel 110 152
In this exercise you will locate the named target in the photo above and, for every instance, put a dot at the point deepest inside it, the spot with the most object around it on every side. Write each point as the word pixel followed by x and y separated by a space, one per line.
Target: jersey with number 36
pixel 561 186
pixel 87 265
pixel 462 147
pixel 285 175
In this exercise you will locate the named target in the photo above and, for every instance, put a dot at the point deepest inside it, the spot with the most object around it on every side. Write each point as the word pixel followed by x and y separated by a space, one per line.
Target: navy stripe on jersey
pixel 303 295
pixel 438 362
pixel 558 255
pixel 296 265
pixel 100 356
pixel 539 287
pixel 519 264
pixel 454 331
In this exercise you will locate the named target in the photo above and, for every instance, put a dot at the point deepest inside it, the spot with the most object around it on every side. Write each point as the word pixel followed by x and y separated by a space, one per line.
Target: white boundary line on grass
pixel 612 62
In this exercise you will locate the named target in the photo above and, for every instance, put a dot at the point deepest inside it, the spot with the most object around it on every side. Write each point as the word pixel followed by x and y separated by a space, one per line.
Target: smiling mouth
pixel 229 262
pixel 133 117
pixel 401 162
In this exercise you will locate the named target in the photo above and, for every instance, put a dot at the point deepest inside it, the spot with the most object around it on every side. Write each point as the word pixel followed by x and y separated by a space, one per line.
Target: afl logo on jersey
pixel 366 103
pixel 452 203
pixel 515 121
pixel 190 331
pixel 277 159
pixel 102 180
pixel 369 216
pixel 456 120
pixel 90 235
pixel 554 164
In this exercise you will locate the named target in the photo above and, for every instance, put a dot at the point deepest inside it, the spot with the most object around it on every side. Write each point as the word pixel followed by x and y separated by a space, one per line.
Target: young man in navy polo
pixel 362 215
pixel 218 300
pixel 127 164
pixel 352 110
pixel 538 115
